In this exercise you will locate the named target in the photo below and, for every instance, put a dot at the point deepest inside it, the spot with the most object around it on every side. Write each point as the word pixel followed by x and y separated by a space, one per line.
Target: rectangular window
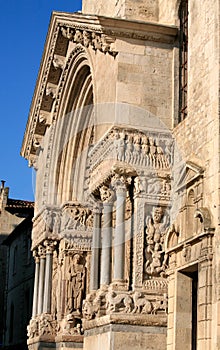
pixel 183 74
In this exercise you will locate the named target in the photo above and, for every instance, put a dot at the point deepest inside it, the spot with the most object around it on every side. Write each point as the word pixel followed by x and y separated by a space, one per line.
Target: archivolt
pixel 73 132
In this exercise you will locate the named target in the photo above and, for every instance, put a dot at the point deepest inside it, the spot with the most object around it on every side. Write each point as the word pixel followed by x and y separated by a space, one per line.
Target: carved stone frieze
pixel 105 302
pixel 42 325
pixel 97 40
pixel 76 218
pixel 136 152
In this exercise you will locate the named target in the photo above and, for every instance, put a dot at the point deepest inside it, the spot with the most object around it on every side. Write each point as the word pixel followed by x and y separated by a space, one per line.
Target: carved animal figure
pixel 141 304
pixel 113 301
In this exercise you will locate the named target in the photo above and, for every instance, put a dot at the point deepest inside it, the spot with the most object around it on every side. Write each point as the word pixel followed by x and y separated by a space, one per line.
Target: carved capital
pixel 50 246
pixel 119 184
pixel 107 194
pixel 41 251
pixel 36 256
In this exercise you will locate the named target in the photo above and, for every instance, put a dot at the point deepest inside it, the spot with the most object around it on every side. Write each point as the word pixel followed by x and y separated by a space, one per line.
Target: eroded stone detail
pixel 75 276
pixel 98 41
pixel 156 228
pixel 42 325
pixel 106 302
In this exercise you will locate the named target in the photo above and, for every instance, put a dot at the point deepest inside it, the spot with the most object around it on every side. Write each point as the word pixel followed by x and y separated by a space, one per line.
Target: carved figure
pixel 140 184
pixel 76 279
pixel 32 328
pixel 106 194
pixel 120 146
pixel 90 307
pixel 48 221
pixel 141 304
pixel 157 224
pixel 129 149
pixel 46 325
pixel 145 151
pixel 137 149
pixel 159 156
pixel 152 153
pixel 57 222
pixel 114 301
pixel 86 38
pixel 169 152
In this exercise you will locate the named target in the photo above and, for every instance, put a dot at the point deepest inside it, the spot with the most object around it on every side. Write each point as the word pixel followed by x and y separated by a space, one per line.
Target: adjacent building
pixel 16 270
pixel 123 133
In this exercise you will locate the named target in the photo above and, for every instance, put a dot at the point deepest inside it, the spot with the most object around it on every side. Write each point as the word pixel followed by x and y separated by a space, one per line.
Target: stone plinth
pixel 125 337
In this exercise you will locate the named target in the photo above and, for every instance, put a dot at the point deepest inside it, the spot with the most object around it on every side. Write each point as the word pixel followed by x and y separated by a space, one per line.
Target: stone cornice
pixel 102 32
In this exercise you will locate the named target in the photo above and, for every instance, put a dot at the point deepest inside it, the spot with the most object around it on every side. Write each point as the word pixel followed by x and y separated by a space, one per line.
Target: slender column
pixel 48 275
pixel 107 196
pixel 36 283
pixel 119 239
pixel 106 244
pixel 41 252
pixel 96 244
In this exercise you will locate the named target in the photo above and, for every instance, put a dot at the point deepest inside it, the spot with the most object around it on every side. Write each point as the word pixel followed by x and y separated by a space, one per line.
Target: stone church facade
pixel 123 133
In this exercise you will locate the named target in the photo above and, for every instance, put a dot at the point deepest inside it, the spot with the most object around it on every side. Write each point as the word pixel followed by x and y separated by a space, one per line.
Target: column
pixel 48 275
pixel 107 196
pixel 36 283
pixel 96 244
pixel 119 239
pixel 41 252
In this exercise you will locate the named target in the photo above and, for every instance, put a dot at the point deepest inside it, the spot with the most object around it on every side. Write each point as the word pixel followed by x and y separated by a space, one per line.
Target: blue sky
pixel 23 27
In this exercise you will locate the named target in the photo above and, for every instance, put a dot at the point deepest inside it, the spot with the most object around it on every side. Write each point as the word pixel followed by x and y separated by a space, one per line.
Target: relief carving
pixel 75 283
pixel 77 218
pixel 107 194
pixel 134 303
pixel 97 41
pixel 156 228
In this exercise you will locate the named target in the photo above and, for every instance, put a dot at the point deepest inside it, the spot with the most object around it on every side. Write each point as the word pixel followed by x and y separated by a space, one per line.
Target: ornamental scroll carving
pixel 98 41
pixel 156 227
